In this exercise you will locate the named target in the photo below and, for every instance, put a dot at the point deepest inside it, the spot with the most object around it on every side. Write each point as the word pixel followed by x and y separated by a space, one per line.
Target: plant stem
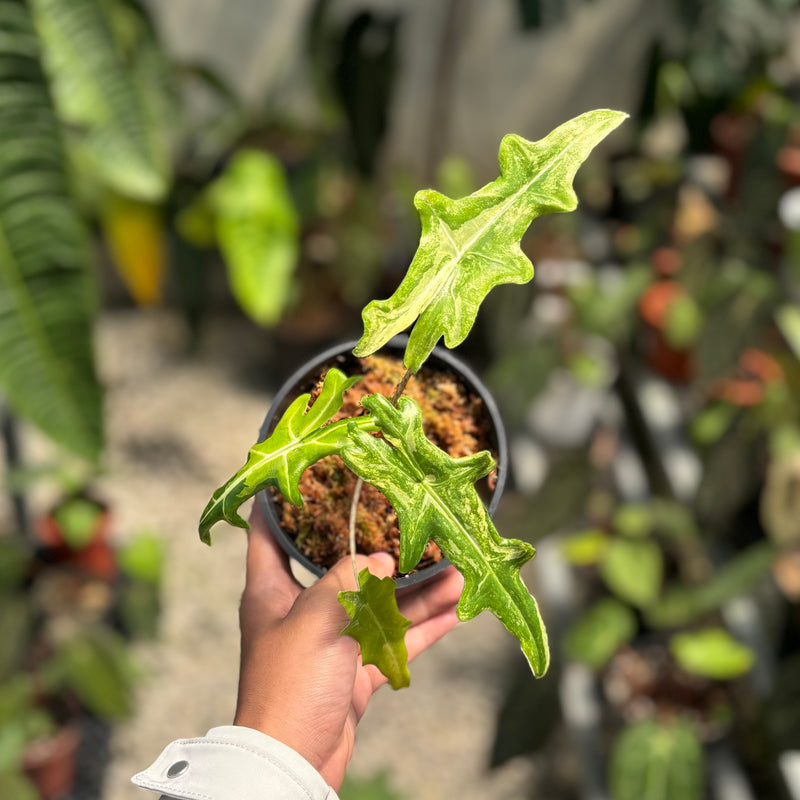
pixel 8 433
pixel 401 387
pixel 353 509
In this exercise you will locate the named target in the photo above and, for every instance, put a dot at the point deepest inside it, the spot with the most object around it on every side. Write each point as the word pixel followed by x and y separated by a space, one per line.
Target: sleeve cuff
pixel 232 761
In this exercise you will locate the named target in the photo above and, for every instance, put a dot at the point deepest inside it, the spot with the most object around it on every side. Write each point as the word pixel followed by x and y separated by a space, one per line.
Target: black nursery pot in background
pixel 341 357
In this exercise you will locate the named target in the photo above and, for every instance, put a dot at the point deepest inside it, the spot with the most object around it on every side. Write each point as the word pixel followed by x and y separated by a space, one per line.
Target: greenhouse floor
pixel 177 426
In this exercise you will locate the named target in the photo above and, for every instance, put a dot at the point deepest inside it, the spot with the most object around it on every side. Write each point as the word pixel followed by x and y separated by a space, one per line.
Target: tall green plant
pixel 46 292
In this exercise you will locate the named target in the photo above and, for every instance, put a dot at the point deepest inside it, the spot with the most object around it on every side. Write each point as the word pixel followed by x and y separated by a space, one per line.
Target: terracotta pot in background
pixel 673 363
pixel 51 762
pixel 96 556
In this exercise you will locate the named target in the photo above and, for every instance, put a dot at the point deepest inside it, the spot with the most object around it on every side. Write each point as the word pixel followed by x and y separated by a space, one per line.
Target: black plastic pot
pixel 341 357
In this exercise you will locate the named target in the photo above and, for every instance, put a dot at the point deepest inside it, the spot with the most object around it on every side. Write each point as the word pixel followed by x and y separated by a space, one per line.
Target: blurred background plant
pixel 649 375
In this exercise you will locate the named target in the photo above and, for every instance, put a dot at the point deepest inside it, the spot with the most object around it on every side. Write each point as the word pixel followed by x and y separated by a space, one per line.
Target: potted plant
pixel 316 534
pixel 36 758
pixel 76 530
pixel 467 247
pixel 63 659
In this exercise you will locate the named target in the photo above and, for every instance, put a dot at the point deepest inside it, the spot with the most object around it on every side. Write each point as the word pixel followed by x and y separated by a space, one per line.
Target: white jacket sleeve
pixel 233 763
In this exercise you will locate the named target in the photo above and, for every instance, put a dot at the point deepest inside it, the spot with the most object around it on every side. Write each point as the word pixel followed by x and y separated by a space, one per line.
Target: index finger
pixel 267 566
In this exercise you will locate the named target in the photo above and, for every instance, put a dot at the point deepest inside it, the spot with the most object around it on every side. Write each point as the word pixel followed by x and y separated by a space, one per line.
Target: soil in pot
pixel 454 418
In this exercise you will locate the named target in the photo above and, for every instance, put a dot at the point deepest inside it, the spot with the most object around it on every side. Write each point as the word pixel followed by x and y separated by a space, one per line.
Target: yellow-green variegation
pixel 470 245
pixel 435 499
pixel 300 439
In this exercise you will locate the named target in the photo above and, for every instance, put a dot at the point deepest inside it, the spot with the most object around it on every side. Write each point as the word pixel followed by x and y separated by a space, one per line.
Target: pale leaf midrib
pixel 281 453
pixel 443 279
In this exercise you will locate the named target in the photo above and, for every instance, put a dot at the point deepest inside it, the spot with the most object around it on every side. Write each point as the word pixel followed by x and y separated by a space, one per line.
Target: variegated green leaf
pixel 435 498
pixel 469 246
pixel 378 626
pixel 300 438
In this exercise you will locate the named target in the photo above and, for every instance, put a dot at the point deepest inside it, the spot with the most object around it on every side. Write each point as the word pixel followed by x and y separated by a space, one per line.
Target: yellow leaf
pixel 134 234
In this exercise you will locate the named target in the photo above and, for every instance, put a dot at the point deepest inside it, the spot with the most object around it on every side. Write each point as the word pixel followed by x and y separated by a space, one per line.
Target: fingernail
pixel 384 557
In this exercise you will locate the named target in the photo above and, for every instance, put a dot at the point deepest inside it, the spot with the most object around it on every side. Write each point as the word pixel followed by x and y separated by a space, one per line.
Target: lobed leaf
pixel 470 245
pixel 378 626
pixel 300 438
pixel 435 498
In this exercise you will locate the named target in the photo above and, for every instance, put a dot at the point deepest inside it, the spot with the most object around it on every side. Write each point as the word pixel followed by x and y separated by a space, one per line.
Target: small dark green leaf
pixel 711 653
pixel 633 569
pixel 378 626
pixel 600 632
pixel 300 438
pixel 653 761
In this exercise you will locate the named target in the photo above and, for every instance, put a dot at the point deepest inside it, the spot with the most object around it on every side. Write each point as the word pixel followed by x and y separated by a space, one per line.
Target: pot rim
pixel 443 355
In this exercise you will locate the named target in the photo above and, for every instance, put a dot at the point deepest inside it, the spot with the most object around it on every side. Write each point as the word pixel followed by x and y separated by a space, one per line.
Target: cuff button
pixel 177 769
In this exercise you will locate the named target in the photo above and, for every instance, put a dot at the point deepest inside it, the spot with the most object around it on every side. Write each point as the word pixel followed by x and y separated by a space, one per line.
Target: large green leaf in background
pixel 97 92
pixel 471 245
pixel 257 228
pixel 298 440
pixel 435 498
pixel 46 292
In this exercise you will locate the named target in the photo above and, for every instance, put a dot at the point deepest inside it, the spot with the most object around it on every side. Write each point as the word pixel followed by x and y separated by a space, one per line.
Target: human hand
pixel 300 680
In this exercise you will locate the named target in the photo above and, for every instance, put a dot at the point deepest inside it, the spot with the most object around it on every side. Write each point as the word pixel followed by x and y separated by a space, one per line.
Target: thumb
pixel 322 596
pixel 381 565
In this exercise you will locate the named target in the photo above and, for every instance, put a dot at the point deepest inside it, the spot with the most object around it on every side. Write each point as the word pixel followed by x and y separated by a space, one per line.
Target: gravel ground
pixel 177 427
